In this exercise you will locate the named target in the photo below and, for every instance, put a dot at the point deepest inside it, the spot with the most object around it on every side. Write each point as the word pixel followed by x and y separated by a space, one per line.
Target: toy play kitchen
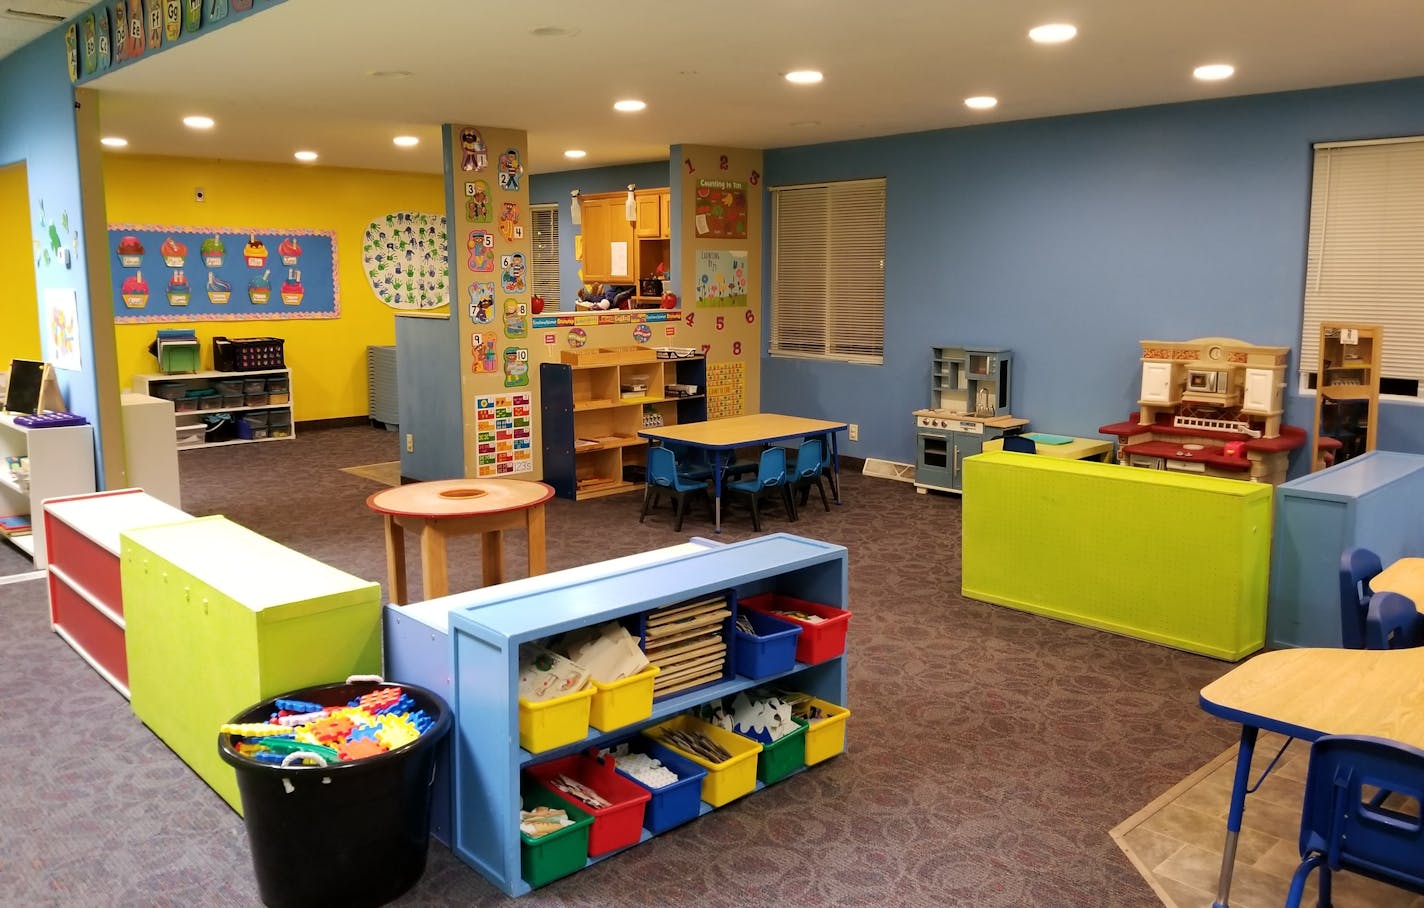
pixel 969 404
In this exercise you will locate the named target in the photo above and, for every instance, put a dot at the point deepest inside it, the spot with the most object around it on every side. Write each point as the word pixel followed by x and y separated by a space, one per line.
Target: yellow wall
pixel 327 356
pixel 19 302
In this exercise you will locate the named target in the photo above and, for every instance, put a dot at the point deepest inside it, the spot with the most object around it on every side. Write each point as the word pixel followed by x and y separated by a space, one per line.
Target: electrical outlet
pixel 409 442
pixel 854 432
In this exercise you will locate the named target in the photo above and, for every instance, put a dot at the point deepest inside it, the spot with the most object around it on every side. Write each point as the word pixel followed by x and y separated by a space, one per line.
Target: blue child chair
pixel 1358 566
pixel 1020 444
pixel 810 461
pixel 1393 622
pixel 770 474
pixel 663 477
pixel 1343 825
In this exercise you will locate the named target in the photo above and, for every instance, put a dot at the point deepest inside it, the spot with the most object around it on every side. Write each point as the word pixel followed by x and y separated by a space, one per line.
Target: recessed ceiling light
pixel 113 141
pixel 804 76
pixel 981 102
pixel 305 156
pixel 388 73
pixel 629 105
pixel 406 141
pixel 198 122
pixel 575 153
pixel 1214 72
pixel 1053 33
pixel 800 123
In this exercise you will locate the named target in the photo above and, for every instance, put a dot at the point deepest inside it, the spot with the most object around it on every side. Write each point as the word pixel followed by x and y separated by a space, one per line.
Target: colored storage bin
pixel 726 781
pixel 771 651
pixel 825 737
pixel 230 401
pixel 616 826
pixel 254 385
pixel 553 723
pixel 279 424
pixel 228 386
pixel 677 802
pixel 191 436
pixel 819 640
pixel 558 854
pixel 256 400
pixel 783 756
pixel 622 702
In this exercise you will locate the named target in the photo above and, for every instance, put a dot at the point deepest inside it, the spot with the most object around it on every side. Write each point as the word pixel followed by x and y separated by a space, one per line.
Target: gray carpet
pixel 991 751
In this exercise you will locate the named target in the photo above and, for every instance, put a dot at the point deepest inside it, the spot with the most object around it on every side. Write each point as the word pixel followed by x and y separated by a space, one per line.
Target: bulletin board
pixel 180 274
pixel 504 434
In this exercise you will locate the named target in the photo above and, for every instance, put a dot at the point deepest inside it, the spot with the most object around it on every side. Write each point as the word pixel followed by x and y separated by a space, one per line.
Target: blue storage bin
pixel 771 652
pixel 675 804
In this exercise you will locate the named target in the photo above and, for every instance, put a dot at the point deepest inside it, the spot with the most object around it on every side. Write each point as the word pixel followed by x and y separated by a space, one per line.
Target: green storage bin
pixel 558 854
pixel 782 757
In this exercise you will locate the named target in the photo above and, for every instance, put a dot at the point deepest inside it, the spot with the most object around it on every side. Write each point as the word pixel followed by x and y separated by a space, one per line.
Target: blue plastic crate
pixel 675 804
pixel 771 652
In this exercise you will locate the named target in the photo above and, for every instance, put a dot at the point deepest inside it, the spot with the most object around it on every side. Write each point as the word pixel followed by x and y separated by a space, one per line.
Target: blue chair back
pixel 662 467
pixel 1344 827
pixel 1358 566
pixel 771 469
pixel 1020 444
pixel 809 459
pixel 1392 622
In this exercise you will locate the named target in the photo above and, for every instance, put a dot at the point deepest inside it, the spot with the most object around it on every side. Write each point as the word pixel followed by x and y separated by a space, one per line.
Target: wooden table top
pixel 459 497
pixel 737 431
pixel 1405 576
pixel 1309 692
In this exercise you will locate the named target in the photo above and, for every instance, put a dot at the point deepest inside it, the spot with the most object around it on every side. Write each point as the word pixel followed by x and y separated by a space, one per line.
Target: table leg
pixel 1233 817
pixel 534 522
pixel 835 466
pixel 432 560
pixel 492 556
pixel 395 560
pixel 717 490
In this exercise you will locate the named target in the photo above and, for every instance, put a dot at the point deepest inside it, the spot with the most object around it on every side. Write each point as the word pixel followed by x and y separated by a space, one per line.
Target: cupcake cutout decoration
pixel 213 251
pixel 135 291
pixel 259 289
pixel 289 250
pixel 292 289
pixel 255 252
pixel 173 253
pixel 130 252
pixel 178 289
pixel 219 290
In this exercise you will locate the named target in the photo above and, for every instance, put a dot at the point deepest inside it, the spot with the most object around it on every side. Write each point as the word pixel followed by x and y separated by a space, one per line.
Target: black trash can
pixel 351 834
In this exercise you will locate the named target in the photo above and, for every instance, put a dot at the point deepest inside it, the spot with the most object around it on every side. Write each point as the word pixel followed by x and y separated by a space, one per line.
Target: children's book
pixel 15 524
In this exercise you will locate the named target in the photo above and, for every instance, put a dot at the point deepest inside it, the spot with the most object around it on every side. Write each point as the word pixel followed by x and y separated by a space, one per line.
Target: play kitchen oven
pixel 941 444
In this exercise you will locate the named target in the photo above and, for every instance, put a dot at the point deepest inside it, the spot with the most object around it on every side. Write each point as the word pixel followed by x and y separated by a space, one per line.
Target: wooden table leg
pixel 432 560
pixel 492 556
pixel 395 560
pixel 534 521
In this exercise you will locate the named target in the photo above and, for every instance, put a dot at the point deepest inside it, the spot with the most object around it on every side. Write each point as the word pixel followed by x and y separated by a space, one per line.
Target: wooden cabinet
pixel 486 633
pixel 591 415
pixel 258 402
pixel 58 460
pixel 606 225
pixel 1346 392
pixel 652 213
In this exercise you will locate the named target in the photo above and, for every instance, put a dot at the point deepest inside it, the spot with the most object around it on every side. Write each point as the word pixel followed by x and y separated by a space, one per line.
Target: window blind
pixel 828 271
pixel 1365 259
pixel 544 269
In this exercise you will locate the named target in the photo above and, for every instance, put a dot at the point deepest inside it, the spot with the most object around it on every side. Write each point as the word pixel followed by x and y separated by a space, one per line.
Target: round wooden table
pixel 459 507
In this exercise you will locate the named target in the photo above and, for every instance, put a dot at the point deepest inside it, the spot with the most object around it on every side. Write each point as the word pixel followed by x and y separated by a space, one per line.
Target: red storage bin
pixel 820 640
pixel 616 826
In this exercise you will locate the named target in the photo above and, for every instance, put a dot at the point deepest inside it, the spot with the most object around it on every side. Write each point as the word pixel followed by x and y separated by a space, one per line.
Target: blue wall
pixel 37 126
pixel 554 188
pixel 1068 240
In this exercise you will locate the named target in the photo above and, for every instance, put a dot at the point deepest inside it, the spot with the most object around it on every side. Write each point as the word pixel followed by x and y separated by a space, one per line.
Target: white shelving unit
pixel 61 461
pixel 188 424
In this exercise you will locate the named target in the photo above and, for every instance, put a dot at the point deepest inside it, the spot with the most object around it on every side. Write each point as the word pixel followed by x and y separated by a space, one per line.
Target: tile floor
pixel 1176 840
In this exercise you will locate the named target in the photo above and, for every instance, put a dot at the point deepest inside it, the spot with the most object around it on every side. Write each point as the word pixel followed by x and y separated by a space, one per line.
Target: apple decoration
pixel 536 304
pixel 669 300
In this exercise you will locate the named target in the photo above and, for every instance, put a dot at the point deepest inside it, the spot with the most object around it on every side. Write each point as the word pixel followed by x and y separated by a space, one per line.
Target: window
pixel 828 271
pixel 544 269
pixel 1365 260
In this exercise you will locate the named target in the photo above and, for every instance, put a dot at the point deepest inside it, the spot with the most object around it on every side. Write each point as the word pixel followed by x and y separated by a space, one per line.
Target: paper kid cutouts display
pixel 172 20
pixel 481 302
pixel 511 275
pixel 509 221
pixel 91 44
pixel 178 289
pixel 259 288
pixel 153 28
pixel 473 155
pixel 118 44
pixel 484 355
pixel 217 9
pixel 103 39
pixel 516 367
pixel 404 257
pixel 480 245
pixel 515 322
pixel 71 50
pixel 192 15
pixel 510 170
pixel 477 202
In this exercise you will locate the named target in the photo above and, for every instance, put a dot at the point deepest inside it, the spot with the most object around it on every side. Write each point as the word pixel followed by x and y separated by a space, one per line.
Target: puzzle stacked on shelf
pixel 688 643
pixel 299 731
pixel 768 718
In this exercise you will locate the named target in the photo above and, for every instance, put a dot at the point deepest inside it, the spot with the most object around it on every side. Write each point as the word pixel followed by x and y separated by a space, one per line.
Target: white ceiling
pixel 297 75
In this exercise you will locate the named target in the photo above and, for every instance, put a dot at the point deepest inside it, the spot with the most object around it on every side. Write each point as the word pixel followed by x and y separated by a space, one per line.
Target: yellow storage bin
pixel 554 723
pixel 622 702
pixel 726 781
pixel 825 737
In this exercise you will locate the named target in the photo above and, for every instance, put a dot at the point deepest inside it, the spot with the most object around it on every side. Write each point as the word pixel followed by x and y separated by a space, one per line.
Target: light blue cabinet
pixel 1372 500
